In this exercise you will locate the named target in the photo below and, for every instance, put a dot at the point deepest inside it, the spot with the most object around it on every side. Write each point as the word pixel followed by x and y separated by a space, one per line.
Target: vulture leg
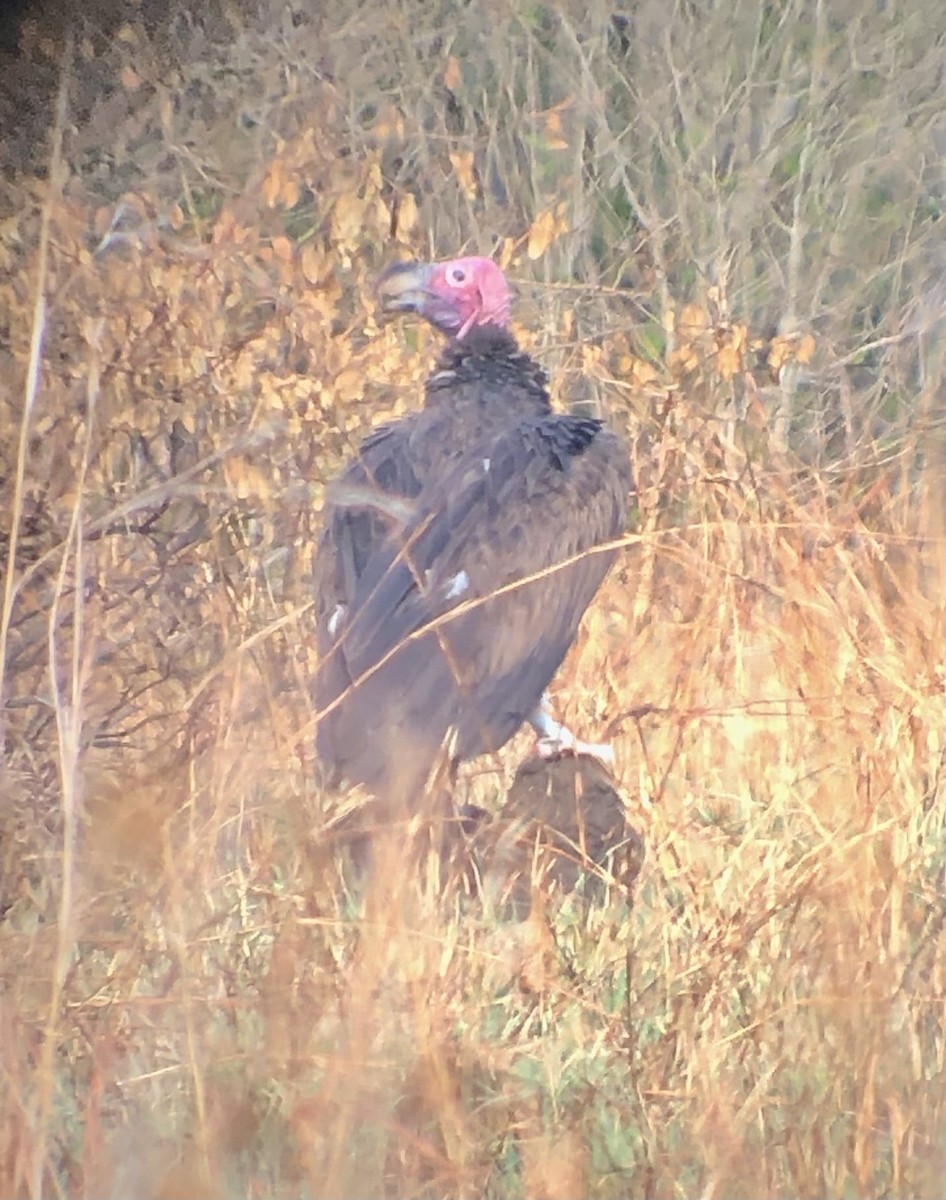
pixel 555 738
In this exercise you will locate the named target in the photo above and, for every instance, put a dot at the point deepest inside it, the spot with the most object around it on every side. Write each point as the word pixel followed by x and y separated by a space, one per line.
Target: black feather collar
pixel 490 354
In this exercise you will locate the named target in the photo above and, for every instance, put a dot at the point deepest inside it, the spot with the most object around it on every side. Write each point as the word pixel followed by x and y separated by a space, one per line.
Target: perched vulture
pixel 460 550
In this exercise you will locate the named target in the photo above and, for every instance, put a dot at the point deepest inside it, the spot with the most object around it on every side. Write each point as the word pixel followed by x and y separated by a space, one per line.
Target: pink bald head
pixel 454 296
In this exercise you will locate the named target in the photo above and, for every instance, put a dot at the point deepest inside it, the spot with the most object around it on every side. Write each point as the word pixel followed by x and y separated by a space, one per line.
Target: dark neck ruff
pixel 490 355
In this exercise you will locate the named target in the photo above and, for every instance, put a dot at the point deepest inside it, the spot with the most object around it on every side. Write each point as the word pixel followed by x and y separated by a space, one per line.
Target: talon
pixel 548 748
pixel 556 739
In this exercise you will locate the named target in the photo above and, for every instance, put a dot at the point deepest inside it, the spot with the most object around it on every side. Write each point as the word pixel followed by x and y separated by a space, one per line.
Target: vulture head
pixel 454 296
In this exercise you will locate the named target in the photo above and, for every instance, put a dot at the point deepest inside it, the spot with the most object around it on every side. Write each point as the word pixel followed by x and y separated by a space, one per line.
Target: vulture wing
pixel 462 617
pixel 368 503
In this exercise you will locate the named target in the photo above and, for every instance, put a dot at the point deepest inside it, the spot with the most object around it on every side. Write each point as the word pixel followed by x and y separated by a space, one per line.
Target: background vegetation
pixel 725 226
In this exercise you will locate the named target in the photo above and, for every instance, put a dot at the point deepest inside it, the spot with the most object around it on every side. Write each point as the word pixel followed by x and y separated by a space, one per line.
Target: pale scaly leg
pixel 555 738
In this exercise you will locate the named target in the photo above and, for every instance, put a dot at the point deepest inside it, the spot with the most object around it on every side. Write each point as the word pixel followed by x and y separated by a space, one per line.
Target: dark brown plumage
pixel 459 551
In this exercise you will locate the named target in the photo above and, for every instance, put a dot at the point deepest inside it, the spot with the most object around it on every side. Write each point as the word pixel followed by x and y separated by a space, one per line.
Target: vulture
pixel 460 548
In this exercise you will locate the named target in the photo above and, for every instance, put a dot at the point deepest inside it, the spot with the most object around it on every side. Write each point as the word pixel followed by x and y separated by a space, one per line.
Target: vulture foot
pixel 556 739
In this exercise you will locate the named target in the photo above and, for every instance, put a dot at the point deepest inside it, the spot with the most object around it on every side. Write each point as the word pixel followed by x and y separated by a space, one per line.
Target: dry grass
pixel 725 226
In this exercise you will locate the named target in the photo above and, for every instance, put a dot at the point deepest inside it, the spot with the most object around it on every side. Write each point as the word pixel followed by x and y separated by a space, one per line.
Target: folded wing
pixel 462 615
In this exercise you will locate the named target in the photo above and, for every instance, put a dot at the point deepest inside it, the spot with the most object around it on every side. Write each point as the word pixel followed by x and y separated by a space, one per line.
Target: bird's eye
pixel 456 276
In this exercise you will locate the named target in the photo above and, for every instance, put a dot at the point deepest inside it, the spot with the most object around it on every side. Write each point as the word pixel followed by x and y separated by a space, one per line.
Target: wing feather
pixel 361 517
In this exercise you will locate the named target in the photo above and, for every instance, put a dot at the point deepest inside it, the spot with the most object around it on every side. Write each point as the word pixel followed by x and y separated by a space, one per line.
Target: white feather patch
pixel 456 586
pixel 335 619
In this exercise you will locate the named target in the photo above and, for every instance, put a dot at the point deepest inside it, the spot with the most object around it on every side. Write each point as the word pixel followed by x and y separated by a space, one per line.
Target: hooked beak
pixel 403 288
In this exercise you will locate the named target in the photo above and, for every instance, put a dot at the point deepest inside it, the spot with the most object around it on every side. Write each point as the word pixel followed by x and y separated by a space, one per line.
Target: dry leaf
pixel 693 320
pixel 788 347
pixel 406 214
pixel 374 179
pixel 463 165
pixel 347 218
pixel 728 361
pixel 641 371
pixel 806 349
pixel 289 196
pixel 389 124
pixel 545 229
pixel 451 75
pixel 349 385
pixel 246 479
pixel 224 227
pixel 315 262
pixel 282 248
pixel 272 184
pixel 505 254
